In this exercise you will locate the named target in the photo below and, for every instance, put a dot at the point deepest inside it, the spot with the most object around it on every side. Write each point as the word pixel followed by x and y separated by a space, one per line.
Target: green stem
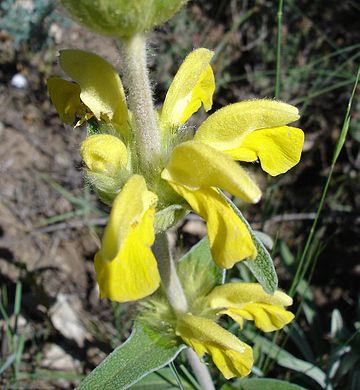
pixel 147 141
pixel 177 299
pixel 169 277
pixel 136 80
pixel 200 370
pixel 278 49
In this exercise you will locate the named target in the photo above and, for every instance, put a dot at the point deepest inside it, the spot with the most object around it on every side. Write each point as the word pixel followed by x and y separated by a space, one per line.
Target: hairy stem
pixel 169 277
pixel 177 299
pixel 137 83
pixel 136 80
pixel 200 370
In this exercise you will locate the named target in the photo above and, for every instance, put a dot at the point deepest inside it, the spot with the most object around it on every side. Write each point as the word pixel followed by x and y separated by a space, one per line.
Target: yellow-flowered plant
pixel 198 327
pixel 151 167
pixel 240 301
pixel 194 166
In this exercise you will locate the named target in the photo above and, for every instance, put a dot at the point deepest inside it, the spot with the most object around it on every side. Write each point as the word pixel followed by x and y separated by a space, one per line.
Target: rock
pixel 95 355
pixel 195 226
pixel 65 316
pixel 19 81
pixel 55 358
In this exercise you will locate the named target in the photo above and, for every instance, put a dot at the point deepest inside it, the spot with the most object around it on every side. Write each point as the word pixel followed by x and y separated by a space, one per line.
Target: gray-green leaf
pixel 262 267
pixel 161 380
pixel 144 352
pixel 198 270
pixel 261 383
pixel 168 217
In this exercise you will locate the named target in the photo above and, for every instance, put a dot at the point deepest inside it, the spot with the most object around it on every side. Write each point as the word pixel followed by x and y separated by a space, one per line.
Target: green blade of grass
pixel 286 359
pixel 278 49
pixel 320 92
pixel 176 375
pixel 8 362
pixel 306 258
pixel 189 377
pixel 302 267
pixel 18 295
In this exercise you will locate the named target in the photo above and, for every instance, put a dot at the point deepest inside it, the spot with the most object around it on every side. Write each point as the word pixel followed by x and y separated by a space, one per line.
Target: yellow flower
pixel 250 302
pixel 231 356
pixel 193 167
pixel 67 103
pixel 239 301
pixel 98 87
pixel 125 266
pixel 244 131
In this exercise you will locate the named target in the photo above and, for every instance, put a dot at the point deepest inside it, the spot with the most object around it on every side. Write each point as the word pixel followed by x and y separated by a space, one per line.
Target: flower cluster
pixel 192 167
pixel 198 328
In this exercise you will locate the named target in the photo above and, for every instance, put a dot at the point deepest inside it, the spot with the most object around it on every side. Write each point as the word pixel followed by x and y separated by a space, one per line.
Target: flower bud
pixel 106 158
pixel 104 153
pixel 122 18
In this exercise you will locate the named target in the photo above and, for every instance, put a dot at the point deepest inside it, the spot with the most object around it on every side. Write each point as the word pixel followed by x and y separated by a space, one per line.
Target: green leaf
pixel 145 351
pixel 286 255
pixel 265 239
pixel 262 383
pixel 161 380
pixel 168 217
pixel 286 359
pixel 297 335
pixel 198 270
pixel 262 267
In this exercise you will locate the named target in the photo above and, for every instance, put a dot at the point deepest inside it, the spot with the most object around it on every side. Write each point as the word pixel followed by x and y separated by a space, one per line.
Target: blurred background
pixel 53 327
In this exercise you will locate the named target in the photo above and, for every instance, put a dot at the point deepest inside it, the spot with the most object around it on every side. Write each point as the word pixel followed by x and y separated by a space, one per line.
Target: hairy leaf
pixel 145 351
pixel 198 270
pixel 263 383
pixel 262 267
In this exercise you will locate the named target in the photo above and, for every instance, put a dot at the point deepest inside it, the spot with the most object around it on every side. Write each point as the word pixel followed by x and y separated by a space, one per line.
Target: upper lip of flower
pixel 249 301
pixel 125 266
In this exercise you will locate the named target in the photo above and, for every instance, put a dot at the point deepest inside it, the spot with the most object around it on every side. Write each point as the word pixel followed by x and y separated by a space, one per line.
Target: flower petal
pixel 267 317
pixel 249 301
pixel 232 357
pixel 227 128
pixel 125 267
pixel 104 153
pixel 101 88
pixel 192 85
pixel 230 240
pixel 238 294
pixel 278 148
pixel 197 166
pixel 65 96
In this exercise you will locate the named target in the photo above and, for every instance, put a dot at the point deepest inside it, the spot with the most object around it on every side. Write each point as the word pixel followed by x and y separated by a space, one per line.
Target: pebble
pixel 19 81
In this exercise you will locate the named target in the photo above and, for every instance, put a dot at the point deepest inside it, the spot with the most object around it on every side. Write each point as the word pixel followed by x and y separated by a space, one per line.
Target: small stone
pixel 195 227
pixel 55 358
pixel 65 318
pixel 19 81
pixel 95 355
